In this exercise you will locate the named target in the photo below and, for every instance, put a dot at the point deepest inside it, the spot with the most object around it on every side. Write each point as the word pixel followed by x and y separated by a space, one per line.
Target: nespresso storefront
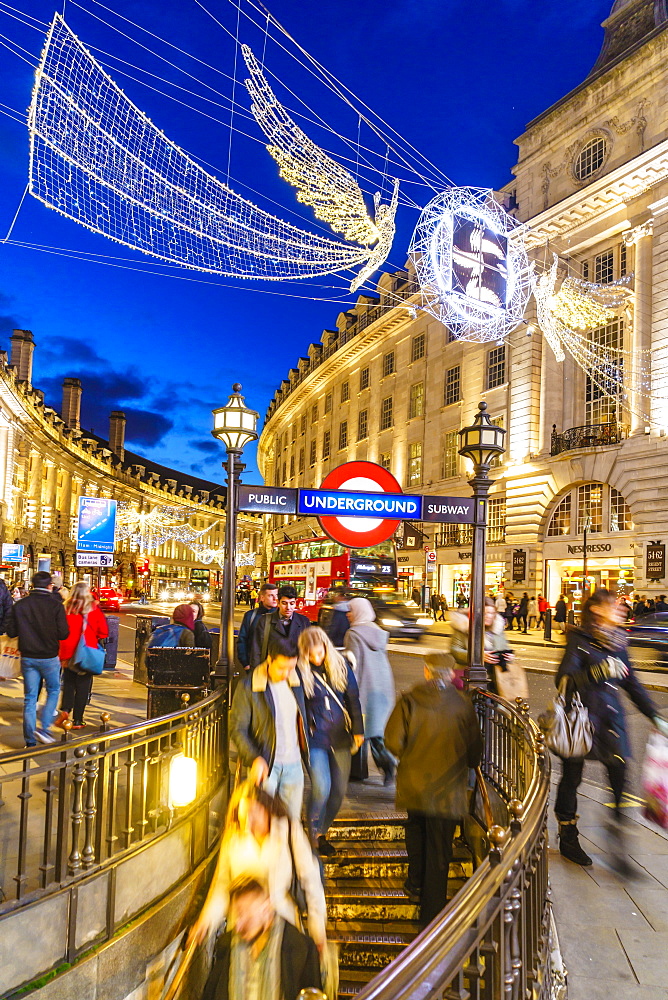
pixel 610 564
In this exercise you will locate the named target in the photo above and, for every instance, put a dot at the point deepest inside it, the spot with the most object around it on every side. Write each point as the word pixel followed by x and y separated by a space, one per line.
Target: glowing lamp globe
pixel 483 440
pixel 182 781
pixel 235 424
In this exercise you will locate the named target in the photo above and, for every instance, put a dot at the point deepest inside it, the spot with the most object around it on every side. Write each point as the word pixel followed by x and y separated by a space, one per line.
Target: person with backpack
pixel 179 632
pixel 83 617
pixel 251 620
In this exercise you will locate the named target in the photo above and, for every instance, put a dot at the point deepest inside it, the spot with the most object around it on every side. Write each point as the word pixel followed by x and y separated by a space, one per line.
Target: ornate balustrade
pixel 587 436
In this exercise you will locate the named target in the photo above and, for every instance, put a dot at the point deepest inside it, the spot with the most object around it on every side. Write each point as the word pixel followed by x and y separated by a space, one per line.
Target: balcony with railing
pixel 587 436
pixel 457 536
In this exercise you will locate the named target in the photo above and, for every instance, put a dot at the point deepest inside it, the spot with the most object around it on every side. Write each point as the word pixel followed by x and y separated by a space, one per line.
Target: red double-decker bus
pixel 313 565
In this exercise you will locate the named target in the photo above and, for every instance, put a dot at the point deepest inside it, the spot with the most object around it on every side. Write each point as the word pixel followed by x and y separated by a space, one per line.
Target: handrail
pixel 496 928
pixel 586 436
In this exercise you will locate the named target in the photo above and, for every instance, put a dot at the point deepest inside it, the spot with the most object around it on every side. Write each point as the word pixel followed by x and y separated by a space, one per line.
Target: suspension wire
pixel 16 215
pixel 234 90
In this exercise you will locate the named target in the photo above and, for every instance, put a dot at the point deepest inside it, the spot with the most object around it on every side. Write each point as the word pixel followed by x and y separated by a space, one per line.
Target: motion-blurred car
pixel 109 599
pixel 649 631
pixel 400 617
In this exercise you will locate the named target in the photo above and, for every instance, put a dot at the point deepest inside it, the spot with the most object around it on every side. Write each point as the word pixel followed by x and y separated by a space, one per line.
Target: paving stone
pixel 653 904
pixel 591 950
pixel 647 951
pixel 582 988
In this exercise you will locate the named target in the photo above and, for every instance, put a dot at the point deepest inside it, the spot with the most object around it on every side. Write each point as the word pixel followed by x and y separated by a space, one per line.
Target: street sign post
pixel 12 553
pixel 95 559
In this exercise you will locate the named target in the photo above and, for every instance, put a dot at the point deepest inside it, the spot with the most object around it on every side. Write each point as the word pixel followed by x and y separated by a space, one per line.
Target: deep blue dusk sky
pixel 459 80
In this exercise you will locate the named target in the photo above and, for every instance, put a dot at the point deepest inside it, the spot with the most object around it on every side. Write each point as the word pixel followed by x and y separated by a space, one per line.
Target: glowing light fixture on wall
pixel 182 781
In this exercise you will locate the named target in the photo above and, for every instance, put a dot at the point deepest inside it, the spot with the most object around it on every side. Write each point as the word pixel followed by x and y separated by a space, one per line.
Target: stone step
pixel 373 833
pixel 374 876
pixel 363 904
pixel 349 989
pixel 370 952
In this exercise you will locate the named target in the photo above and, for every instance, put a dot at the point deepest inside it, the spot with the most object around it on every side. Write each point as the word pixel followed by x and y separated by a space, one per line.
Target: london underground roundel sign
pixel 362 477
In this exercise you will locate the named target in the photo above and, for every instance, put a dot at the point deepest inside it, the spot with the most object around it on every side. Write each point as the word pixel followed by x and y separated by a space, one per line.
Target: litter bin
pixel 172 671
pixel 111 645
pixel 547 628
pixel 145 626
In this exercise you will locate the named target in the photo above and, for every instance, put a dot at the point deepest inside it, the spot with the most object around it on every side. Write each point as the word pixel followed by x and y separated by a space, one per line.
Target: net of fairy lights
pixel 98 160
pixel 148 530
pixel 471 264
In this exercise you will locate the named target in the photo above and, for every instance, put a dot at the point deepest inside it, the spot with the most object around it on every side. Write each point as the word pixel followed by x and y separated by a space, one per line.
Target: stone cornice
pixel 602 198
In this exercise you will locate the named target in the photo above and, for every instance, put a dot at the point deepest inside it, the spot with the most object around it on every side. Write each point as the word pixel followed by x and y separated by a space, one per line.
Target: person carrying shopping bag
pixel 83 618
pixel 336 730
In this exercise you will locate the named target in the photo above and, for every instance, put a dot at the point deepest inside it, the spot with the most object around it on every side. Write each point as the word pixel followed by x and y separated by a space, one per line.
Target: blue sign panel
pixel 11 552
pixel 340 503
pixel 96 524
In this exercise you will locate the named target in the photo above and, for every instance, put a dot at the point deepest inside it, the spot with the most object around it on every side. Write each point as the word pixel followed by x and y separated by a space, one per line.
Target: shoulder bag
pixel 346 714
pixel 89 658
pixel 566 724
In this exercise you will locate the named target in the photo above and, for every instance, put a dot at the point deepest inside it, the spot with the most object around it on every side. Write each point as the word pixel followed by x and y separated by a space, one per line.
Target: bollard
pixel 175 673
pixel 547 625
pixel 111 645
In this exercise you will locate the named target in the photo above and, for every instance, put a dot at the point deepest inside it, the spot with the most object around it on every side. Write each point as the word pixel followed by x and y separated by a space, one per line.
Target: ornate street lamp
pixel 481 442
pixel 234 425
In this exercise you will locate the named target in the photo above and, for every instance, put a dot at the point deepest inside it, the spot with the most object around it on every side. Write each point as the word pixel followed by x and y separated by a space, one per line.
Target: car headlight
pixel 389 622
pixel 424 621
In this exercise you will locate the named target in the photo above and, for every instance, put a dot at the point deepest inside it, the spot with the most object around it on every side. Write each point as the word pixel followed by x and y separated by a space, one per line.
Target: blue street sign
pixel 341 503
pixel 96 524
pixel 11 552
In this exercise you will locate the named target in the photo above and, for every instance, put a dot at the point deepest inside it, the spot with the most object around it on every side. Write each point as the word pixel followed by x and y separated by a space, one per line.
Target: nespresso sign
pixel 594 547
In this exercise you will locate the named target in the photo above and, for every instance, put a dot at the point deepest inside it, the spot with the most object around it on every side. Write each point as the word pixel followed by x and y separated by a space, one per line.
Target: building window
pixel 364 379
pixel 345 391
pixel 285 472
pixel 496 367
pixel 604 267
pixel 450 337
pixel 590 507
pixel 622 260
pixel 388 364
pixel 452 386
pixel 418 347
pixel 385 459
pixel 326 444
pixel 386 413
pixel 416 402
pixel 620 512
pixel 312 453
pixel 603 392
pixel 415 463
pixel 294 432
pixel 279 444
pixel 292 466
pixel 496 520
pixel 362 425
pixel 561 519
pixel 343 434
pixel 301 460
pixel 302 424
pixel 498 459
pixel 585 270
pixel 590 159
pixel 450 456
pixel 314 413
pixel 328 403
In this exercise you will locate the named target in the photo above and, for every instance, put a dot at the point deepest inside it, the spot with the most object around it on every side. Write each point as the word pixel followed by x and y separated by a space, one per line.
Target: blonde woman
pixel 80 609
pixel 336 729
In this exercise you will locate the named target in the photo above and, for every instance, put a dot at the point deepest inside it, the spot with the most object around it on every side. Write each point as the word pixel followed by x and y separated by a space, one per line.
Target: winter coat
pixel 495 639
pixel 253 717
pixel 300 966
pixel 336 625
pixel 601 697
pixel 523 608
pixel 241 854
pixel 40 623
pixel 326 721
pixel 6 604
pixel 271 625
pixel 368 644
pixel 560 611
pixel 435 733
pixel 532 611
pixel 250 621
pixel 96 629
pixel 202 635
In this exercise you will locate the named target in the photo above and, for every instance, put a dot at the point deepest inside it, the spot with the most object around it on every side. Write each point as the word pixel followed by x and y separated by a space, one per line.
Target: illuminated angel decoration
pixel 98 160
pixel 323 184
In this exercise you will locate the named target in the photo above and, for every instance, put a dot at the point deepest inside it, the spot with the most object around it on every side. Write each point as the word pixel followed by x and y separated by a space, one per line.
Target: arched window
pixel 590 159
pixel 595 507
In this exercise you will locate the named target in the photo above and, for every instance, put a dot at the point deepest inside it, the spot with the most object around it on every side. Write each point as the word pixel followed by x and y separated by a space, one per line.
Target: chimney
pixel 117 433
pixel 71 408
pixel 21 357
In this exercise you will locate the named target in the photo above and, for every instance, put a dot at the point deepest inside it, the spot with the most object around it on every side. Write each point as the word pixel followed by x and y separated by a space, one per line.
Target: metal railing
pixel 71 809
pixel 456 536
pixel 494 938
pixel 587 436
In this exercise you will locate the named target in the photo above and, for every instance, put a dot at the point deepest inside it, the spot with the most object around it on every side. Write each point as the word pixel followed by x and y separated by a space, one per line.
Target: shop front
pixel 454 574
pixel 609 564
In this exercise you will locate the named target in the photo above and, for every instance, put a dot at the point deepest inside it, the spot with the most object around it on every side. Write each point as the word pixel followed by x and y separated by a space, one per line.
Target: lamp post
pixel 234 425
pixel 481 442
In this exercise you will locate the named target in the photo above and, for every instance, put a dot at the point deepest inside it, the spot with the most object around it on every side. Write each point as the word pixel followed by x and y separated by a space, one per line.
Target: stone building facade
pixel 391 385
pixel 47 462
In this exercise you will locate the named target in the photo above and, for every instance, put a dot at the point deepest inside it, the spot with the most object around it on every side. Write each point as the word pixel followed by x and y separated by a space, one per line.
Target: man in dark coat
pixel 336 623
pixel 560 610
pixel 6 604
pixel 283 622
pixel 251 620
pixel 434 731
pixel 262 955
pixel 660 604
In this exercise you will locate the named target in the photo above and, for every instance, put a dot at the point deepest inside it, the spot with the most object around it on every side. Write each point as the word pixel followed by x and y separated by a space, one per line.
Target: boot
pixel 569 845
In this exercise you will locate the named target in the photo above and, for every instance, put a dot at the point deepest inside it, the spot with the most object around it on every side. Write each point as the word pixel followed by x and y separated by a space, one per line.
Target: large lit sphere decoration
pixel 471 264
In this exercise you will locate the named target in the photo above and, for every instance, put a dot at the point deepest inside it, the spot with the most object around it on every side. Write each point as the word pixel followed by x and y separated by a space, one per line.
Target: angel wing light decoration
pixel 323 184
pixel 97 159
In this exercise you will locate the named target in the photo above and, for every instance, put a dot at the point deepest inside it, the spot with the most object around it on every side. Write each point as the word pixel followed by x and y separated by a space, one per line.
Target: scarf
pixel 266 968
pixel 609 637
pixel 361 612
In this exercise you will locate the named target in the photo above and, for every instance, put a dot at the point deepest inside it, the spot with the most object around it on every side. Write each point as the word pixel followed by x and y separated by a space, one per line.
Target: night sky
pixel 458 80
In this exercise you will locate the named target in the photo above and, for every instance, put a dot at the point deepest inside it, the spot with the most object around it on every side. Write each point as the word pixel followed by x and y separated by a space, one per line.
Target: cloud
pixel 145 427
pixel 209 447
pixel 8 320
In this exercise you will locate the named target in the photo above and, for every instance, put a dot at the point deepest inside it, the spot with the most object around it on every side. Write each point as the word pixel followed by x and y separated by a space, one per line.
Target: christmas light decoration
pixel 322 183
pixel 471 264
pixel 98 160
pixel 147 530
pixel 573 307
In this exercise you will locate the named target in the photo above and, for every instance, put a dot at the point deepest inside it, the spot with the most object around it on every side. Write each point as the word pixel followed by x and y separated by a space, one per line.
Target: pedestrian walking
pixel 597 666
pixel 283 621
pixel 261 956
pixel 262 841
pixel 661 604
pixel 269 726
pixel 39 623
pixel 367 641
pixel 522 613
pixel 179 632
pixel 496 648
pixel 435 604
pixel 511 607
pixel 268 600
pixel 560 610
pixel 201 634
pixel 543 606
pixel 443 608
pixel 83 616
pixel 335 727
pixel 640 609
pixel 532 613
pixel 253 597
pixel 335 623
pixel 6 604
pixel 434 731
